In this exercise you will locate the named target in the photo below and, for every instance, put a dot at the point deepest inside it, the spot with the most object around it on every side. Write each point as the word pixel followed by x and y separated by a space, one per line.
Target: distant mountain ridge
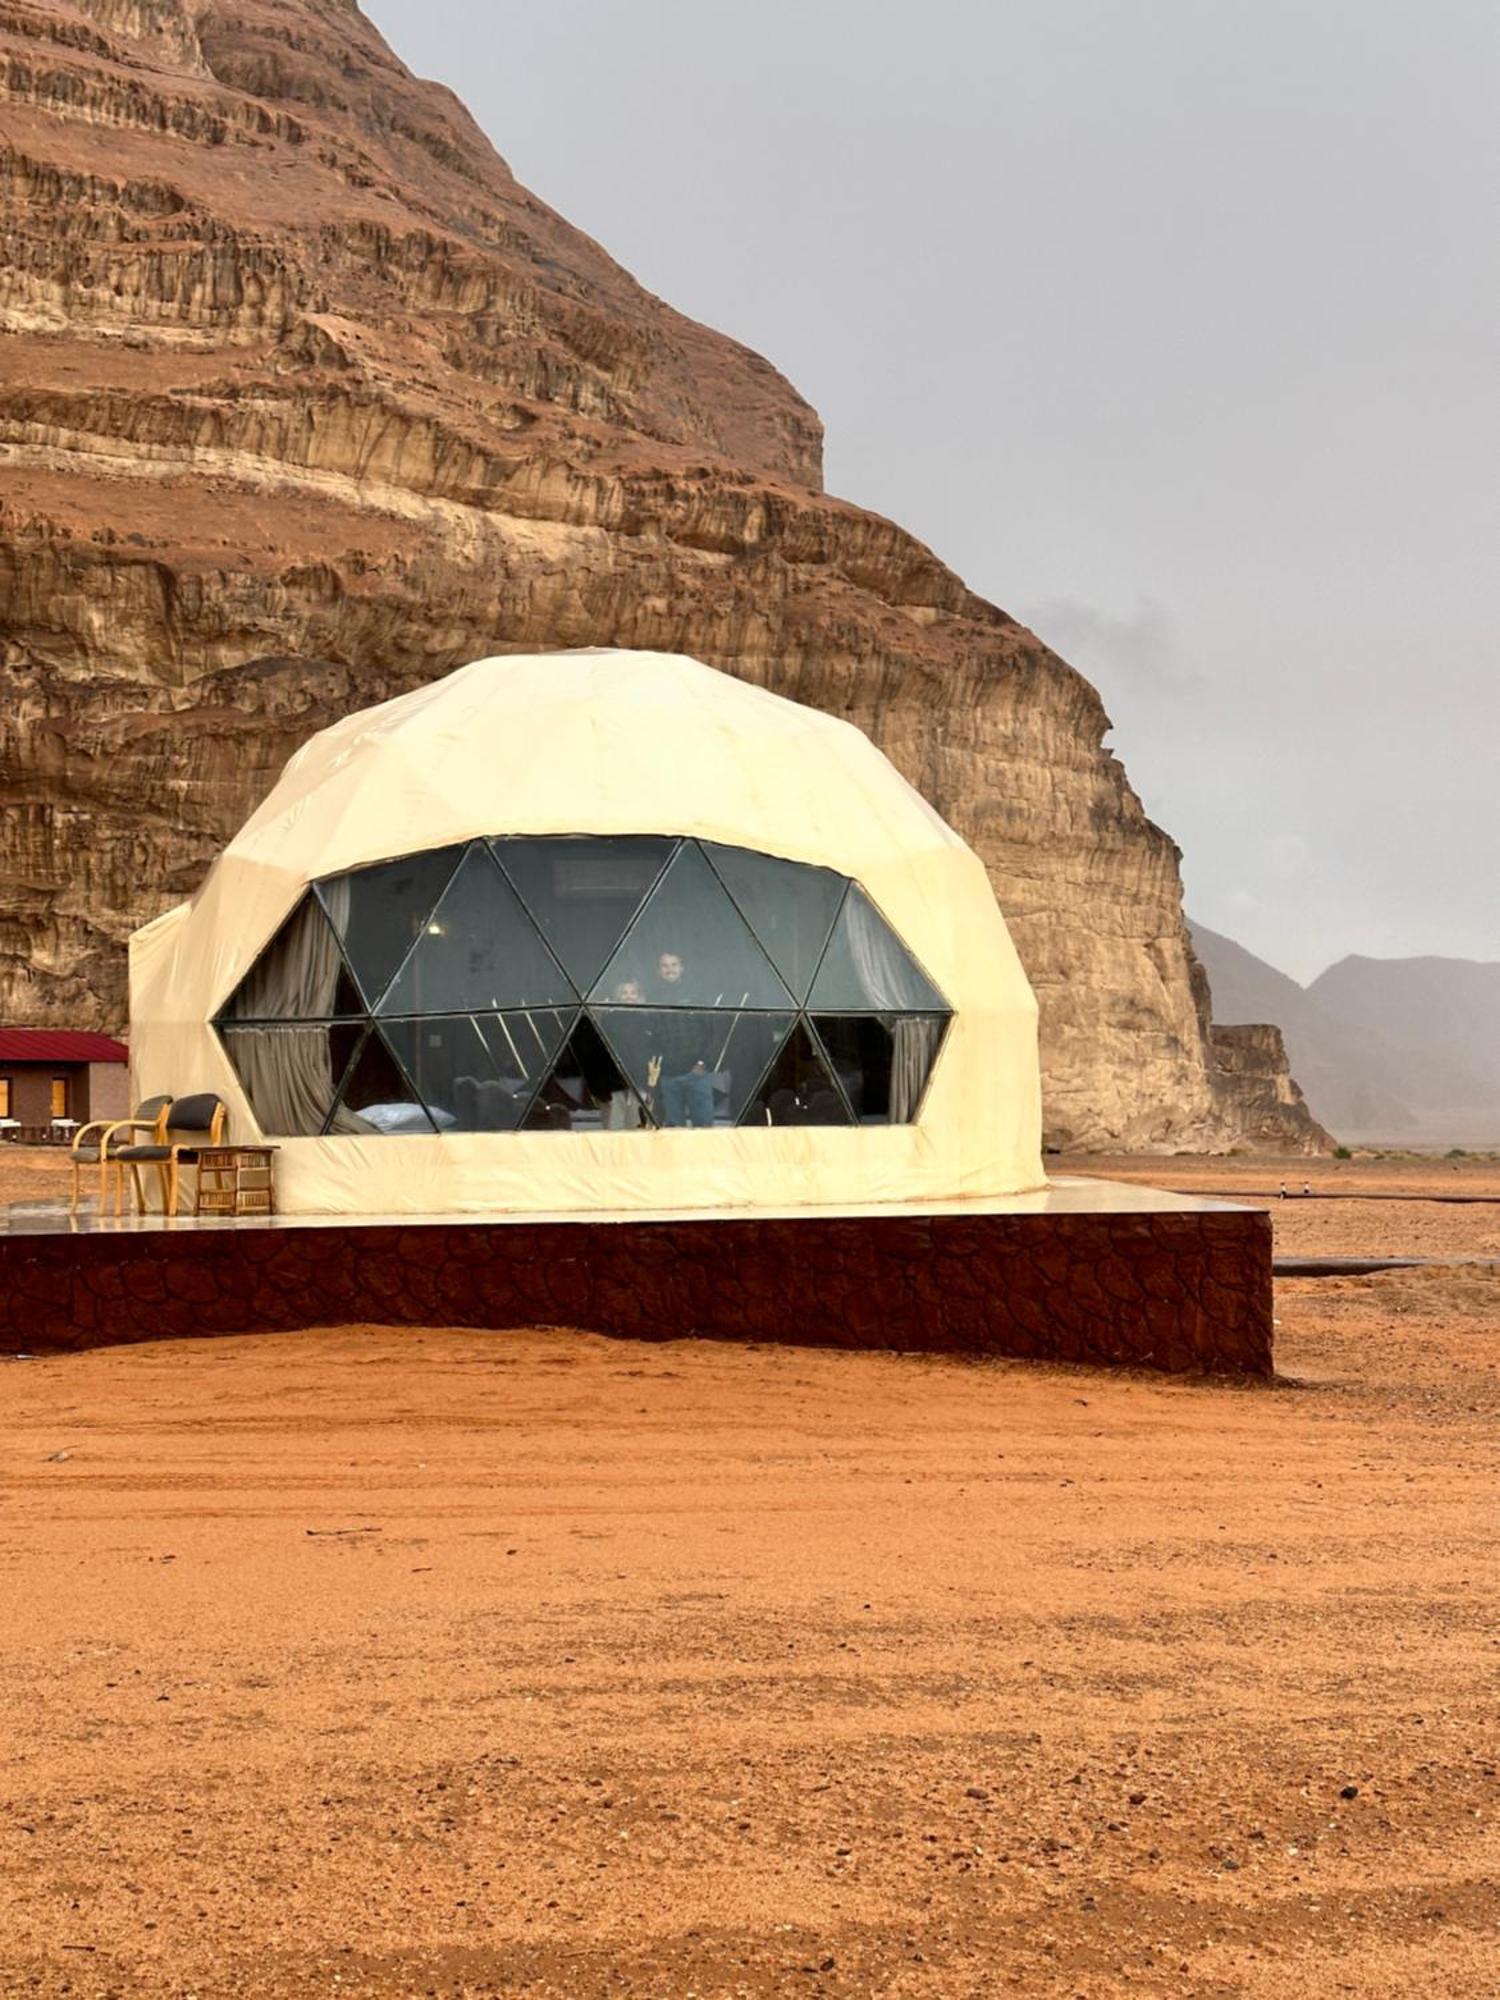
pixel 1382 1048
pixel 1452 1003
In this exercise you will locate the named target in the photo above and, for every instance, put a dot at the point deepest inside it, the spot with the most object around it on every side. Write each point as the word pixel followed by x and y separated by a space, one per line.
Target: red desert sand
pixel 365 1662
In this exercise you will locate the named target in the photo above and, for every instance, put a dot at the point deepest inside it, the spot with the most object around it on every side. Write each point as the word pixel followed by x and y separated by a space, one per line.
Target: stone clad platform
pixel 1083 1271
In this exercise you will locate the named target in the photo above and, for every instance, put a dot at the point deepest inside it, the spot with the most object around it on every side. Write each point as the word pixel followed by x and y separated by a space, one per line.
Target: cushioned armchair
pixel 98 1144
pixel 191 1124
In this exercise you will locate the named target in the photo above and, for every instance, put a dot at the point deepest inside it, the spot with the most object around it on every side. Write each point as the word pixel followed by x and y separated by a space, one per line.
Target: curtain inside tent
pixel 288 1072
pixel 916 1038
pixel 891 980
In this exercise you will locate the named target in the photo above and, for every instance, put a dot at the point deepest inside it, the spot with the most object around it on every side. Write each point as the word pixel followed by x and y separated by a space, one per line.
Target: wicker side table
pixel 236 1180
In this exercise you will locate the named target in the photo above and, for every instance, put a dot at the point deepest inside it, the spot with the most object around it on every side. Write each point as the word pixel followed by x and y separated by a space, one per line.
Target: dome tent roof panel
pixel 500 745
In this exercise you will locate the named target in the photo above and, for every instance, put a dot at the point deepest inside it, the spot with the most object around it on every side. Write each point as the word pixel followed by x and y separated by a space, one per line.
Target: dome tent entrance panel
pixel 446 971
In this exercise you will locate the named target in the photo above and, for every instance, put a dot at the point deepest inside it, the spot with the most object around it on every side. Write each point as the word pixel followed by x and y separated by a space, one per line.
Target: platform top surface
pixel 1067 1195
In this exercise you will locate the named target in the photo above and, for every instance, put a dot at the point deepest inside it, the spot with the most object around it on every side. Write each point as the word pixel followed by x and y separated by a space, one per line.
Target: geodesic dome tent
pixel 598 931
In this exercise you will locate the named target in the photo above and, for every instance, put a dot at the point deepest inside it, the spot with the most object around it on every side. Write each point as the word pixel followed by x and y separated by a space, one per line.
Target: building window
pixel 576 983
pixel 4 1097
pixel 59 1097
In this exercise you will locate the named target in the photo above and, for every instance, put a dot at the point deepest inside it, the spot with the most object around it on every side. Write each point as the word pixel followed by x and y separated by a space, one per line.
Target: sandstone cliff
pixel 306 401
pixel 1257 1087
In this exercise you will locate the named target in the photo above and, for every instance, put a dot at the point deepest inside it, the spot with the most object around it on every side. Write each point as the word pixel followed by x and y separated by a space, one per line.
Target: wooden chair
pixel 103 1152
pixel 191 1124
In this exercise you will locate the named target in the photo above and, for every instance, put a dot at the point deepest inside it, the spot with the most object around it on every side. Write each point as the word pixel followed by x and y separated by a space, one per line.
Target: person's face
pixel 628 992
pixel 669 968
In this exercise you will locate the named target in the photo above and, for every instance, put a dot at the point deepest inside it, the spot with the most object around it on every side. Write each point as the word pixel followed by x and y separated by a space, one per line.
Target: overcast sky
pixel 1168 323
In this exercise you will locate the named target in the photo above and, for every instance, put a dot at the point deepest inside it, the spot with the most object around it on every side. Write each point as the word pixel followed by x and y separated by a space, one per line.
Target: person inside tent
pixel 623 1111
pixel 680 1039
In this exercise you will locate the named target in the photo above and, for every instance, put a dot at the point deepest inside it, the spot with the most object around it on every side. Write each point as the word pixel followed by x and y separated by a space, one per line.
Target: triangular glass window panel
pixel 789 905
pixel 799 1088
pixel 859 1049
pixel 479 952
pixel 377 1095
pixel 882 1062
pixel 867 969
pixel 690 947
pixel 379 913
pixel 693 1068
pixel 587 1091
pixel 584 893
pixel 290 1073
pixel 479 1072
pixel 300 976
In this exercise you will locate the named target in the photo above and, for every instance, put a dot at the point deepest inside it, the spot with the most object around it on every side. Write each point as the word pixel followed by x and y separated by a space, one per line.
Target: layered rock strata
pixel 1257 1089
pixel 306 401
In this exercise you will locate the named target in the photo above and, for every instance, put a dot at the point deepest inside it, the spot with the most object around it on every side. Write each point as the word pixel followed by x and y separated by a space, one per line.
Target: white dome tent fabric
pixel 485 774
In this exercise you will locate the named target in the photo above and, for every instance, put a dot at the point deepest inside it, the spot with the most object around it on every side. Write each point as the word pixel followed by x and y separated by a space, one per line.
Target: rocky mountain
pixel 307 401
pixel 1385 1049
pixel 1258 1090
pixel 1447 1006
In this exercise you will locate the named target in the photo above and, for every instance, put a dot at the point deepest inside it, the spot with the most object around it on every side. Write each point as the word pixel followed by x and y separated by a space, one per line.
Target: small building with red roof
pixel 47 1074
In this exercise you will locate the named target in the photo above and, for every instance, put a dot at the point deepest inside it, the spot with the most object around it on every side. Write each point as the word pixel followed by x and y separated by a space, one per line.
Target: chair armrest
pixel 114 1125
pixel 104 1125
